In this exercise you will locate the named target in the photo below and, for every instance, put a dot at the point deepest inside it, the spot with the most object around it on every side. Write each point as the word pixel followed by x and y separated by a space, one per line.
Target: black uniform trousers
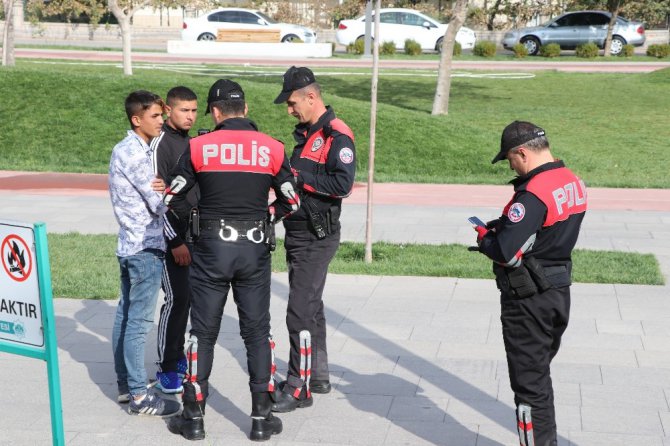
pixel 532 330
pixel 174 313
pixel 308 259
pixel 246 267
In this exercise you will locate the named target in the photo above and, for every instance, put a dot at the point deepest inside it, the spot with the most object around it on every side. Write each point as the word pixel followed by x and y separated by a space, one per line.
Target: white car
pixel 206 26
pixel 400 24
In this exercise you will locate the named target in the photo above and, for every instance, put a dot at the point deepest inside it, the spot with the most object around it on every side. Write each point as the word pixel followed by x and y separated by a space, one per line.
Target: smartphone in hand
pixel 476 221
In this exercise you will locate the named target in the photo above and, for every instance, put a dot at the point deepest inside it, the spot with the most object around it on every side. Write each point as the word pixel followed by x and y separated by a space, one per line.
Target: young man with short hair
pixel 140 250
pixel 182 111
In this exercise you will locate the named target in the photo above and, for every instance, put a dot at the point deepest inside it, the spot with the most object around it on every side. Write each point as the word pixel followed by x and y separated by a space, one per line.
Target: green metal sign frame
pixel 49 351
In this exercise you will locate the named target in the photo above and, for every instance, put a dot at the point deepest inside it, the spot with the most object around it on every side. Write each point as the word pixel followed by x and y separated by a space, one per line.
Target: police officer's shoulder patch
pixel 317 144
pixel 346 155
pixel 516 212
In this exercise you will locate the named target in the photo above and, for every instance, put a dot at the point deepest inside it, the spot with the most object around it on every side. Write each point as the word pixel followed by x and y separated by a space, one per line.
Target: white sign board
pixel 20 309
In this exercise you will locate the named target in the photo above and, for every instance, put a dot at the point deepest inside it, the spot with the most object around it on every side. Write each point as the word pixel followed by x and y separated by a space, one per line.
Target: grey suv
pixel 574 28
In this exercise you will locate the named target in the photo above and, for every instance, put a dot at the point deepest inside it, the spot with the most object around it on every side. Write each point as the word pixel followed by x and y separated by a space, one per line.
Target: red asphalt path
pixel 148 57
pixel 439 195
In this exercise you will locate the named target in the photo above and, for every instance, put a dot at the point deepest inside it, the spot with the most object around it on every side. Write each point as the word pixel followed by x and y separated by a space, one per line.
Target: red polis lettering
pixel 572 194
pixel 237 154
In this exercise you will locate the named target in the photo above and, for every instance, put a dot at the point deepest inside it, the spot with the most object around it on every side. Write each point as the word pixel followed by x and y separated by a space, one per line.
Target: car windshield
pixel 266 18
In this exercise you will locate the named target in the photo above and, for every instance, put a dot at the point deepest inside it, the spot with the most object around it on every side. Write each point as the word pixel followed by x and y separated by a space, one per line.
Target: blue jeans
pixel 140 283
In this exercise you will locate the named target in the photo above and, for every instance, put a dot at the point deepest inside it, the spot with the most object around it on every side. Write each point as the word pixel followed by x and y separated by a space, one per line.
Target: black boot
pixel 284 401
pixel 189 428
pixel 263 423
pixel 191 423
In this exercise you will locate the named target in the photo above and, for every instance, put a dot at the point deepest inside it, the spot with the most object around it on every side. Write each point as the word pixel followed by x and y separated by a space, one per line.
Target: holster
pixel 519 282
pixel 531 277
pixel 270 237
pixel 193 229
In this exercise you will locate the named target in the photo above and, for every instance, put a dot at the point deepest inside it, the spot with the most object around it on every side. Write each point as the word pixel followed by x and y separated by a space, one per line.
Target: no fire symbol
pixel 16 257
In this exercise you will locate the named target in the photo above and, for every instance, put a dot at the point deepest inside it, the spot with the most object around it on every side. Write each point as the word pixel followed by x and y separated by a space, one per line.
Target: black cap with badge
pixel 224 90
pixel 295 78
pixel 516 134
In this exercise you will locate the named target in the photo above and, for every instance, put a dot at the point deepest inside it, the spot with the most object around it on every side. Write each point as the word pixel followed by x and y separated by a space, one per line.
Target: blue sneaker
pixel 169 382
pixel 182 368
pixel 155 406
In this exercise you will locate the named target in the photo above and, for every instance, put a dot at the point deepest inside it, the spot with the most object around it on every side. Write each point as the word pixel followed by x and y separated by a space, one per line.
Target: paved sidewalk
pixel 414 360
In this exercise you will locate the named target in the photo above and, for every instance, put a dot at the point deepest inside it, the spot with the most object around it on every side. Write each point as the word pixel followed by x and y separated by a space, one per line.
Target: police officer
pixel 182 111
pixel 531 246
pixel 235 166
pixel 324 163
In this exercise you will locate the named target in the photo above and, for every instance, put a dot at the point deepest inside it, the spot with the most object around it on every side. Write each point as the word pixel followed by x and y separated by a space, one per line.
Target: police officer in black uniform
pixel 531 246
pixel 235 166
pixel 182 111
pixel 324 163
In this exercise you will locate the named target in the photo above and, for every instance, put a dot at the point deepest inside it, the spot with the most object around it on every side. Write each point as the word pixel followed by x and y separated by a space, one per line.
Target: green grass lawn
pixel 611 129
pixel 100 278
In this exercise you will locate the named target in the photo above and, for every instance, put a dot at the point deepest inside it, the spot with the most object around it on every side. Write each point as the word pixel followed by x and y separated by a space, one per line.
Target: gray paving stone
pixel 657 343
pixel 621 419
pixel 607 439
pixel 643 397
pixel 653 359
pixel 422 433
pixel 576 373
pixel 633 376
pixel 628 327
pixel 418 408
pixel 365 430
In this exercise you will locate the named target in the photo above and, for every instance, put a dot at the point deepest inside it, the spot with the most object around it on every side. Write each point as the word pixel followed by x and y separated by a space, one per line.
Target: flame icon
pixel 12 260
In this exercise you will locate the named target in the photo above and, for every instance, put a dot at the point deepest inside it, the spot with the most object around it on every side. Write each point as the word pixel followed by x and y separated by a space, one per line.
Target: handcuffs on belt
pixel 234 235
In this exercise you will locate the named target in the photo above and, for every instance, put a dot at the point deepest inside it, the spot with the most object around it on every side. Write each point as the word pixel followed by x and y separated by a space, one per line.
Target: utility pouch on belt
pixel 537 273
pixel 521 284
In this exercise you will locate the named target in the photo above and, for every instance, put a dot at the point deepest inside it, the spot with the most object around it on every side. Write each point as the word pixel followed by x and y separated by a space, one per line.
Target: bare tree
pixel 8 34
pixel 613 7
pixel 124 10
pixel 441 101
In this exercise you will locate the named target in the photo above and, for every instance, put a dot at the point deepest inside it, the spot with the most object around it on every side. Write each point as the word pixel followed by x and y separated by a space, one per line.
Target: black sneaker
pixel 319 386
pixel 155 406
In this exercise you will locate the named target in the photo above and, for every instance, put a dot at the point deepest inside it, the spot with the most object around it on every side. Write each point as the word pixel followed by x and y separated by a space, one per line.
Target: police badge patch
pixel 516 212
pixel 318 143
pixel 346 155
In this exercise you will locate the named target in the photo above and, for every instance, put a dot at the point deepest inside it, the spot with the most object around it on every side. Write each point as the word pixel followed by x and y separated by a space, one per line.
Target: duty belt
pixel 234 230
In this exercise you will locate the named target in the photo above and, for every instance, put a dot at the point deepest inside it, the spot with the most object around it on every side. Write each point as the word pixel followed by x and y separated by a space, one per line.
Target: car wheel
pixel 438 45
pixel 288 38
pixel 362 39
pixel 207 37
pixel 531 44
pixel 617 45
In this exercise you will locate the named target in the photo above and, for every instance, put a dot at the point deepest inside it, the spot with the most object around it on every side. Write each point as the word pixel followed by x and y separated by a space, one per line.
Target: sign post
pixel 27 322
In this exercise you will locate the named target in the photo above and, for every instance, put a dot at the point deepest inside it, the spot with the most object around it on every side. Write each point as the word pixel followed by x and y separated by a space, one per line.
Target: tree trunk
pixel 441 101
pixel 8 35
pixel 614 10
pixel 126 38
pixel 124 17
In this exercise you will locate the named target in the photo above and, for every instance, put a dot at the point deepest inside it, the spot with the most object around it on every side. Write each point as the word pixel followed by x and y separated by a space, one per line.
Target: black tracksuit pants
pixel 308 259
pixel 217 266
pixel 174 313
pixel 532 330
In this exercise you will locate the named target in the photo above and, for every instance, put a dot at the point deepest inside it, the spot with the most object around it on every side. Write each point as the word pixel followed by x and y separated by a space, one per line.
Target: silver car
pixel 574 28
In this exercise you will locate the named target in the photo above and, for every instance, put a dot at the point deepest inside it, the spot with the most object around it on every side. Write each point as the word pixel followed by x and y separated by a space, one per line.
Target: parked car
pixel 574 28
pixel 398 25
pixel 206 26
